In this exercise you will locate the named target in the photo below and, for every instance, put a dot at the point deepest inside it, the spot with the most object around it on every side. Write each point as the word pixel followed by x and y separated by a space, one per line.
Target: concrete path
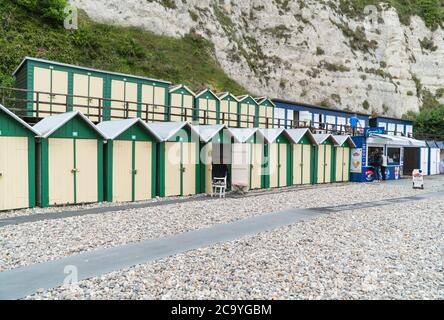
pixel 21 282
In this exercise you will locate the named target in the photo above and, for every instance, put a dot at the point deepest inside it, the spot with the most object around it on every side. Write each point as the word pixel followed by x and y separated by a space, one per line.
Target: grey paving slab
pixel 20 282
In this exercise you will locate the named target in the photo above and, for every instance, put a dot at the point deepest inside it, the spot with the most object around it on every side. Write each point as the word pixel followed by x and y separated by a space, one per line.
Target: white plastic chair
pixel 220 186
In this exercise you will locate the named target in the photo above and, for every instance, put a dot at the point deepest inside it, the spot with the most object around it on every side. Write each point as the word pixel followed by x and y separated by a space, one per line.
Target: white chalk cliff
pixel 306 51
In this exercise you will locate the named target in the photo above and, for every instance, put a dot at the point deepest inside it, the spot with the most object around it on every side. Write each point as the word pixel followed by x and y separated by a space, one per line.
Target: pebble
pixel 389 252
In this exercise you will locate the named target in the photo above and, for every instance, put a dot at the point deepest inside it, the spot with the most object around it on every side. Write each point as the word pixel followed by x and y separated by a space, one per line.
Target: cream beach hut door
pixel 117 99
pixel 301 164
pixel 282 166
pixel 339 164
pixel 13 176
pixel 188 180
pixel 153 103
pixel 88 91
pixel 256 166
pixel 273 164
pixel 61 171
pixel 297 164
pixel 71 171
pixel 142 174
pixel 42 90
pixel 86 171
pixel 173 173
pixel 208 162
pixel 346 164
pixel 327 161
pixel 122 170
pixel 241 164
pixel 306 164
pixel 54 84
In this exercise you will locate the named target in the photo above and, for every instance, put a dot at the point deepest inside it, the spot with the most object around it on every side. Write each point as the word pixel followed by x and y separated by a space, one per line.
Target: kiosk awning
pixel 395 141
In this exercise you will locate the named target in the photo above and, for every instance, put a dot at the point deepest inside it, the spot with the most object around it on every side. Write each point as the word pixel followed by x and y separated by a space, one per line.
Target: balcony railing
pixel 33 106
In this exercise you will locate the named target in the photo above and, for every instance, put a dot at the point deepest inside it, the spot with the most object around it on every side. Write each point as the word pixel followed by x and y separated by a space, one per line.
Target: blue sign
pixel 378 130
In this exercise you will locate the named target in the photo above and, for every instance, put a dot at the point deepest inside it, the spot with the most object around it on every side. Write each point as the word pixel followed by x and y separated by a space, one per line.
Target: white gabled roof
pixel 262 99
pixel 180 86
pixel 320 138
pixel 208 132
pixel 241 135
pixel 166 130
pixel 297 134
pixel 49 125
pixel 223 95
pixel 113 129
pixel 19 120
pixel 271 135
pixel 246 96
pixel 86 69
pixel 209 91
pixel 343 139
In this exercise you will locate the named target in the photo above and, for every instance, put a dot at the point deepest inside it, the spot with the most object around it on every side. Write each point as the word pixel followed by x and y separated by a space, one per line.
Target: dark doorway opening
pixel 411 160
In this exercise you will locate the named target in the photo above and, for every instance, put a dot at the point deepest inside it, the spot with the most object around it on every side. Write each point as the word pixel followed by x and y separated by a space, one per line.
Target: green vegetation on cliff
pixel 34 28
pixel 429 10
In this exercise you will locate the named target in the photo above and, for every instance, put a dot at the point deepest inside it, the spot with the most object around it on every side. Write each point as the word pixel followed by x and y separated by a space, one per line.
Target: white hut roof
pixel 208 132
pixel 343 139
pixel 321 138
pixel 49 125
pixel 222 96
pixel 210 92
pixel 271 135
pixel 260 100
pixel 181 86
pixel 241 135
pixel 19 120
pixel 113 129
pixel 297 134
pixel 166 130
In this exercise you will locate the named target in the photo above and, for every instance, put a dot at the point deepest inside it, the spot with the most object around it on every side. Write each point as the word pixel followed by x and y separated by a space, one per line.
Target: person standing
pixel 377 164
pixel 354 123
pixel 384 166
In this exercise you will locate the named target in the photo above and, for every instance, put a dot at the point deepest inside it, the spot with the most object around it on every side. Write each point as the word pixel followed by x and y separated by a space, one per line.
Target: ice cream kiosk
pixel 393 147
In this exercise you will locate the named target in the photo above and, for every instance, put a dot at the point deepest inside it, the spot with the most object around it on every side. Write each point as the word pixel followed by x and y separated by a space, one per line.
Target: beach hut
pixel 228 109
pixel 69 160
pixel 266 113
pixel 303 155
pixel 130 160
pixel 434 158
pixel 342 154
pixel 248 111
pixel 182 103
pixel 215 154
pixel 17 162
pixel 248 152
pixel 278 168
pixel 324 158
pixel 178 158
pixel 208 105
pixel 53 87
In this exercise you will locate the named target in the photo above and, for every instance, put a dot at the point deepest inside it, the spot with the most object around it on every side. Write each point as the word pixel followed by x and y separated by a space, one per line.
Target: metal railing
pixel 35 105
